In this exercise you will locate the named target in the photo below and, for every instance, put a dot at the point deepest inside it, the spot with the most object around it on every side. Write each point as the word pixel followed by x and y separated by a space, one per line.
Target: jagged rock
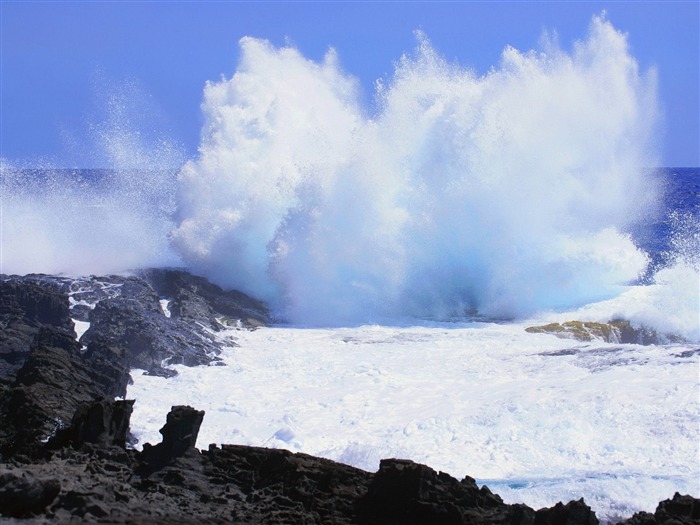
pixel 103 422
pixel 179 436
pixel 573 513
pixel 21 493
pixel 139 332
pixel 252 485
pixel 277 486
pixel 86 474
pixel 197 300
pixel 679 510
pixel 25 307
pixel 616 331
pixel 405 492
pixel 54 381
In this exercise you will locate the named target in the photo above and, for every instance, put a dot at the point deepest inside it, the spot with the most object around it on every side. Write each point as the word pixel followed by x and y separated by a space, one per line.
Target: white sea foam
pixel 504 193
pixel 537 418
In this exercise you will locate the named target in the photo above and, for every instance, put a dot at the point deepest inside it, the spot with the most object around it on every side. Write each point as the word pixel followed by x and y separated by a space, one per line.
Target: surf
pixel 501 193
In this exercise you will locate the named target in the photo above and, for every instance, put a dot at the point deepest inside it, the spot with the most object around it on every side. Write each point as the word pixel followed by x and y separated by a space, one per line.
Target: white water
pixel 505 193
pixel 615 424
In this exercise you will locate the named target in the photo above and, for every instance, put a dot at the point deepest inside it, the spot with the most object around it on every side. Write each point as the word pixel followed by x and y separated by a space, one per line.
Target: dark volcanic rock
pixel 405 492
pixel 45 375
pixel 103 422
pixel 136 330
pixel 680 510
pixel 197 300
pixel 179 436
pixel 22 494
pixel 53 382
pixel 25 307
pixel 100 481
pixel 573 512
pixel 52 472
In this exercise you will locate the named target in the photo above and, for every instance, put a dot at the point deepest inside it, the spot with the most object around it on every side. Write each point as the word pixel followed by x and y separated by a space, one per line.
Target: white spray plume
pixel 503 193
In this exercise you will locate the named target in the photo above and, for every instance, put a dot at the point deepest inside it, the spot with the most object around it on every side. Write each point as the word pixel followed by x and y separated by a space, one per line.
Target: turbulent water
pixel 454 194
pixel 501 194
pixel 524 194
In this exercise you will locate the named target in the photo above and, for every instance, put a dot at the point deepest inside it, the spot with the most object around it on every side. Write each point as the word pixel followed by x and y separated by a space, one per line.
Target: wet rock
pixel 138 332
pixel 195 299
pixel 616 331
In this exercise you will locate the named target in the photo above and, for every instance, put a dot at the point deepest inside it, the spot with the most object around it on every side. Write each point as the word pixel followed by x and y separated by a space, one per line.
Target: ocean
pixel 536 418
pixel 404 248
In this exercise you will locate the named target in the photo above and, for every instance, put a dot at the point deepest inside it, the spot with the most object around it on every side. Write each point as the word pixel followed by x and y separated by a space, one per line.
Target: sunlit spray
pixel 497 194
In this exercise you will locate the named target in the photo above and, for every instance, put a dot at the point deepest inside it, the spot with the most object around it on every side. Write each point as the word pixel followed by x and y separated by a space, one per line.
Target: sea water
pixel 404 248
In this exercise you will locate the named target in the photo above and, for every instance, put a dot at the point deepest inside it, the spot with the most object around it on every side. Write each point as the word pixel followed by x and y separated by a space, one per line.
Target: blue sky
pixel 62 60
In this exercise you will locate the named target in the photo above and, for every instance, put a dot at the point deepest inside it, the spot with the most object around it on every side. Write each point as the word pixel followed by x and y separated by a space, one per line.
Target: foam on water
pixel 537 418
pixel 503 193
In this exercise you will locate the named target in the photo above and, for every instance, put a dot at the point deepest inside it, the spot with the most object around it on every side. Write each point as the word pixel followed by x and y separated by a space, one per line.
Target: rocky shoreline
pixel 64 441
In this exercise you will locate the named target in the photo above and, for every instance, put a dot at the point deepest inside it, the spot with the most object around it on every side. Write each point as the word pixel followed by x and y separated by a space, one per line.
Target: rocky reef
pixel 618 331
pixel 64 439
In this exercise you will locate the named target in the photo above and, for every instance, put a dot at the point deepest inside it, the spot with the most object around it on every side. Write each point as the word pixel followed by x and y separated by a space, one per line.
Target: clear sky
pixel 62 60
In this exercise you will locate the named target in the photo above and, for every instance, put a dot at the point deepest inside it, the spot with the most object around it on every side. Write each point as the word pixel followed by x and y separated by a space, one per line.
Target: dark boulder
pixel 573 513
pixel 104 422
pixel 179 436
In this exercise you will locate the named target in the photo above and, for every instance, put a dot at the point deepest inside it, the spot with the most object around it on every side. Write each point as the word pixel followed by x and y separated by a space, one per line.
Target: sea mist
pixel 498 194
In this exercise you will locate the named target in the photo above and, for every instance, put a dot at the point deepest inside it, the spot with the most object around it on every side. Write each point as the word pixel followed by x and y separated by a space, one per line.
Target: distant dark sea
pixel 680 203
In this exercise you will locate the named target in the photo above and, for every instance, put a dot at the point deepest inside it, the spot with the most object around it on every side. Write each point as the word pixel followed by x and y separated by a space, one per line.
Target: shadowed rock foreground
pixel 64 456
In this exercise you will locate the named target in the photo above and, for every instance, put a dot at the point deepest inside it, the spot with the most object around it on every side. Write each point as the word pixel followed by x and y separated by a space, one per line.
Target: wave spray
pixel 499 194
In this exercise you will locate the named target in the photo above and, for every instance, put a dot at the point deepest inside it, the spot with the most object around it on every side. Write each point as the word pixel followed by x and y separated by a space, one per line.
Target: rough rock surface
pixel 195 299
pixel 619 331
pixel 45 374
pixel 55 379
pixel 679 510
pixel 27 305
pixel 63 439
pixel 89 477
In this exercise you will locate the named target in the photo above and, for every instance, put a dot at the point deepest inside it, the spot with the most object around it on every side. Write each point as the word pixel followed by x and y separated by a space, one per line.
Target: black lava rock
pixel 195 299
pixel 27 305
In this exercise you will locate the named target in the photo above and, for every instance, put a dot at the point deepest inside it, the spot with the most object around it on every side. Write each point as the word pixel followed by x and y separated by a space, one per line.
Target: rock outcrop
pixel 194 299
pixel 26 306
pixel 679 510
pixel 86 475
pixel 64 453
pixel 45 374
pixel 618 331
